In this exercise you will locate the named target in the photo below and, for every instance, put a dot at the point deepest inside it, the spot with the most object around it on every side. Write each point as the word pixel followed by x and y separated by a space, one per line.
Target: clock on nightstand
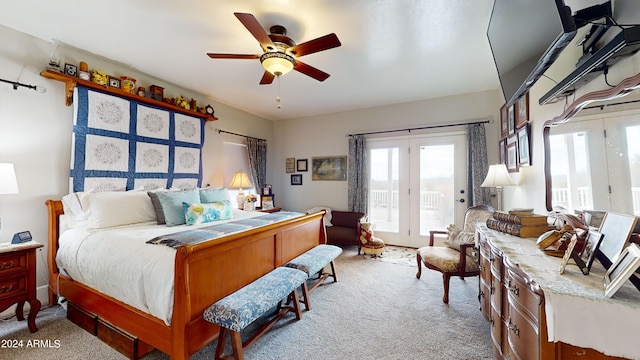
pixel 18 280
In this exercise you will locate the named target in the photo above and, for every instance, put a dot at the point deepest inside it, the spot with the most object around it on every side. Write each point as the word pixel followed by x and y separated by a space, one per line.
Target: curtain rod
pixel 422 128
pixel 601 107
pixel 232 133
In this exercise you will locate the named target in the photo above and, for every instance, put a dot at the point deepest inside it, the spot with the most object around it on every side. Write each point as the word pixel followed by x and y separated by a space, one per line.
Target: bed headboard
pixel 122 144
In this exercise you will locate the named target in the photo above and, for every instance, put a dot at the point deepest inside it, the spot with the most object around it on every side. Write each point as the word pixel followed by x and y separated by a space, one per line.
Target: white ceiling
pixel 392 51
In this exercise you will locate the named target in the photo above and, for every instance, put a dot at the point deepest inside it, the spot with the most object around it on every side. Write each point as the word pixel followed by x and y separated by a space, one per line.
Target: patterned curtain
pixel 478 165
pixel 257 149
pixel 358 174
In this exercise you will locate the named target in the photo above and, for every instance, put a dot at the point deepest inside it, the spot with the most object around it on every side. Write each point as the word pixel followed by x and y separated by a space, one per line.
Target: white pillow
pixel 72 205
pixel 327 215
pixel 115 208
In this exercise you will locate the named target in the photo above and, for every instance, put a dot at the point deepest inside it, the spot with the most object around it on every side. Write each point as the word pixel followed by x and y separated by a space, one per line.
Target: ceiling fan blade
pixel 312 46
pixel 267 78
pixel 232 56
pixel 251 23
pixel 311 71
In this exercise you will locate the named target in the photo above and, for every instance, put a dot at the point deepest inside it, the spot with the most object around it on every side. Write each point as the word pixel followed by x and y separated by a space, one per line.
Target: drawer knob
pixel 6 289
pixel 514 290
pixel 493 289
pixel 6 265
pixel 514 328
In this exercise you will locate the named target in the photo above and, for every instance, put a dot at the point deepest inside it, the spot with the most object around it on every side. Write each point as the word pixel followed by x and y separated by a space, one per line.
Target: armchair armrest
pixel 463 255
pixel 432 234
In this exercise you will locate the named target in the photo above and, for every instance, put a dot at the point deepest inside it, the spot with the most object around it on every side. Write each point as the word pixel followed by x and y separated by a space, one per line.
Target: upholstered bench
pixel 236 311
pixel 314 261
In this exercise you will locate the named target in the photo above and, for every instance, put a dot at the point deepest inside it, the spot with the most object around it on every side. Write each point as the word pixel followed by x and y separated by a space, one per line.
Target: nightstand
pixel 18 280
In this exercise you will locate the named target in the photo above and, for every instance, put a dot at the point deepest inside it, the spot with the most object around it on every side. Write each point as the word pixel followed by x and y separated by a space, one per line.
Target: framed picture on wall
pixel 301 165
pixel 290 165
pixel 329 168
pixel 524 146
pixel 296 179
pixel 502 151
pixel 504 121
pixel 522 111
pixel 512 153
pixel 511 119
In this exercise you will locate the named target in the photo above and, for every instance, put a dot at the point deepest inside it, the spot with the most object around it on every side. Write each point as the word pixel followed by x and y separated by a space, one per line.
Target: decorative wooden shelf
pixel 71 82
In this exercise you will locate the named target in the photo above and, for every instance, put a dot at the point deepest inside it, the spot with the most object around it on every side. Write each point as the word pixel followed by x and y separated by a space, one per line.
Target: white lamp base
pixel 240 199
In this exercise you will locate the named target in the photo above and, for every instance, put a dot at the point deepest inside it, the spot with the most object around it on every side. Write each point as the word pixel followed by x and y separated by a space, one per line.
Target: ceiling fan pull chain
pixel 279 107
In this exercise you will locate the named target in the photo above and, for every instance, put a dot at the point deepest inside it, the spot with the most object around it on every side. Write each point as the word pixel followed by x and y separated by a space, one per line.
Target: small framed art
pixel 567 254
pixel 511 119
pixel 70 69
pixel 622 269
pixel 290 165
pixel 266 190
pixel 296 179
pixel 504 121
pixel 588 252
pixel 616 229
pixel 512 153
pixel 524 146
pixel 301 165
pixel 266 202
pixel 114 82
pixel 502 151
pixel 522 111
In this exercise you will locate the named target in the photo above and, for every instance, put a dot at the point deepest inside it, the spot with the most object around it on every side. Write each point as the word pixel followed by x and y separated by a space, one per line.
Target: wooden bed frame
pixel 204 273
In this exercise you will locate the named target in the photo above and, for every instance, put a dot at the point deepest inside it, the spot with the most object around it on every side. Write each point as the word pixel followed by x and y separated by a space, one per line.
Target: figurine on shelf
pixel 99 77
pixel 84 71
pixel 141 91
pixel 183 103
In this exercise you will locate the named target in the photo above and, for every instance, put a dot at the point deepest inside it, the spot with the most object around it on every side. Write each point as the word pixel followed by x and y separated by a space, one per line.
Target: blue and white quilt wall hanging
pixel 120 144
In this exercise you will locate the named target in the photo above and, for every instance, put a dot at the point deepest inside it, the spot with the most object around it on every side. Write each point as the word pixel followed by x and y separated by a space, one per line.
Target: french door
pixel 417 184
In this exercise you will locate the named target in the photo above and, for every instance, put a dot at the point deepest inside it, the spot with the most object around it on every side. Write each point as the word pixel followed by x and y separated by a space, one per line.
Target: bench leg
pixel 305 296
pixel 236 344
pixel 222 338
pixel 333 271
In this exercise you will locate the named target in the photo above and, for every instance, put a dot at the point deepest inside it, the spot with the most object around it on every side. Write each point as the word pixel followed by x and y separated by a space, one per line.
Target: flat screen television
pixel 526 37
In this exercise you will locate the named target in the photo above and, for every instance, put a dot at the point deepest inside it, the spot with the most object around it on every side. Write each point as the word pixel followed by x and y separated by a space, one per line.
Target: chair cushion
pixel 315 259
pixel 244 306
pixel 445 258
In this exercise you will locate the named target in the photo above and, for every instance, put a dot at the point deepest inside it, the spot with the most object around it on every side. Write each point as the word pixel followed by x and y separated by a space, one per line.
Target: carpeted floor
pixel 377 310
pixel 396 255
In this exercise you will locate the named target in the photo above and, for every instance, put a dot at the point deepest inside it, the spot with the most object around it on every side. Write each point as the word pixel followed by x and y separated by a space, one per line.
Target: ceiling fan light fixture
pixel 277 63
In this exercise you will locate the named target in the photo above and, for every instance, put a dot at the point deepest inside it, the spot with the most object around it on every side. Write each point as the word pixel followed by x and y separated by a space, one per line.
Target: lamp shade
pixel 8 182
pixel 240 180
pixel 497 176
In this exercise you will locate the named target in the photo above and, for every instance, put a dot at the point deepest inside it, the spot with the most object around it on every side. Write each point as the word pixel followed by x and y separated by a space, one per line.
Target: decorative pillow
pixel 171 203
pixel 72 205
pixel 203 213
pixel 157 207
pixel 116 208
pixel 211 195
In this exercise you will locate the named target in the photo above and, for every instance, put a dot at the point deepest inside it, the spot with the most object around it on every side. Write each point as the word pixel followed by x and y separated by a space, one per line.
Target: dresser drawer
pixel 523 336
pixel 522 296
pixel 13 262
pixel 13 286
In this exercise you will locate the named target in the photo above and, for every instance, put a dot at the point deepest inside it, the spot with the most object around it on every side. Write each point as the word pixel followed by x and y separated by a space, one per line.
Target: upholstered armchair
pixel 458 257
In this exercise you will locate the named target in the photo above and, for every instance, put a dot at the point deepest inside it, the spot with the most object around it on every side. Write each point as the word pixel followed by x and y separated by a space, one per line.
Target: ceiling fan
pixel 280 53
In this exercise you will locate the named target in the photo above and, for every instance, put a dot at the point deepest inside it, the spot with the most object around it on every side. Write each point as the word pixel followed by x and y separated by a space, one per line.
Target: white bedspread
pixel 118 262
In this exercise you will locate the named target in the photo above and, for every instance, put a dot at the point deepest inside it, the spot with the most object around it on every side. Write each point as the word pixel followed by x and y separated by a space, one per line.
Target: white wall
pixel 327 136
pixel 35 133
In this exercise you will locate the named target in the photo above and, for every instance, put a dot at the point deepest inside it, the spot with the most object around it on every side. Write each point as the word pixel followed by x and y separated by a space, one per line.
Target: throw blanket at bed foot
pixel 198 235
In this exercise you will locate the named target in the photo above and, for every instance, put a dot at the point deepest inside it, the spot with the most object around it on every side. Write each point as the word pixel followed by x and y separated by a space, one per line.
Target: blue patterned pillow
pixel 196 213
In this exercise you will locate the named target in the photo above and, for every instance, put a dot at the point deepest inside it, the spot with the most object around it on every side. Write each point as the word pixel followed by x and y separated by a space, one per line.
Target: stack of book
pixel 519 222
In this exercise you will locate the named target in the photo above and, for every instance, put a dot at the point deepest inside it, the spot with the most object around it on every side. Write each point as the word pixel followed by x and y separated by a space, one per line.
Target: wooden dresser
pixel 536 313
pixel 18 280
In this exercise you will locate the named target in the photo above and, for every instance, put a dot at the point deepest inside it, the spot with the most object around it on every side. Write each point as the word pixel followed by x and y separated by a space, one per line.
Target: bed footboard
pixel 204 273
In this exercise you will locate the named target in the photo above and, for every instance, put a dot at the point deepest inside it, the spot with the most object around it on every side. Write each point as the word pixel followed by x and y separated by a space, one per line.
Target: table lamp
pixel 8 182
pixel 240 180
pixel 497 177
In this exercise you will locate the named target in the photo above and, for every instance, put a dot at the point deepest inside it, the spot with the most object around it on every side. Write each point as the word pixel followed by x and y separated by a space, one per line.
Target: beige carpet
pixel 396 255
pixel 377 310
